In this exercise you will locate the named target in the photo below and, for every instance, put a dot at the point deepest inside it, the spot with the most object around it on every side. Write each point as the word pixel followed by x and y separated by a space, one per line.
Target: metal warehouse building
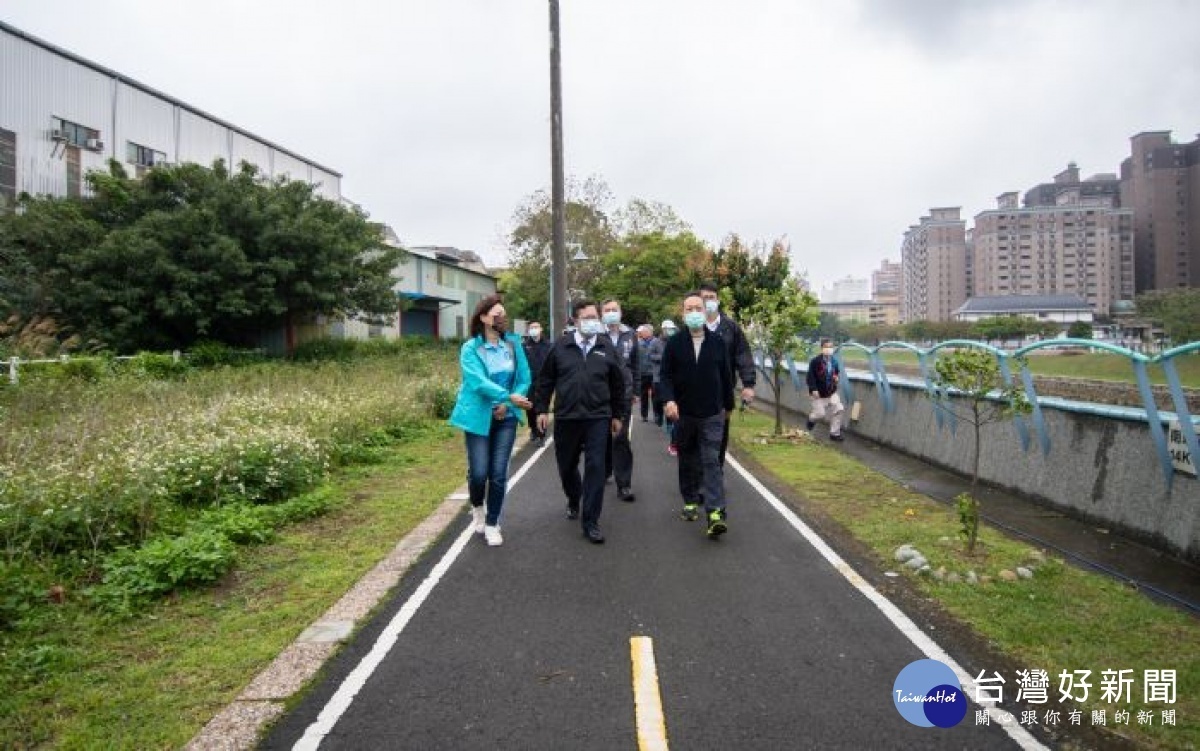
pixel 62 115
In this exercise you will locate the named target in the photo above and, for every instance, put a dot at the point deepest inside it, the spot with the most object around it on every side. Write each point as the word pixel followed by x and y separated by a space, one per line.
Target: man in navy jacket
pixel 697 391
pixel 584 375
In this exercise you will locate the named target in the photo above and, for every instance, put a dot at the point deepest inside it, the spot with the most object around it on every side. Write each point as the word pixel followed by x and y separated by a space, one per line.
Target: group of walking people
pixel 589 379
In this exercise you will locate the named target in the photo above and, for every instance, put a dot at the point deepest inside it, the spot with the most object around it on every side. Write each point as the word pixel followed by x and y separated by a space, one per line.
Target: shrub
pixel 132 576
pixel 339 350
pixel 438 399
pixel 156 366
pixel 216 354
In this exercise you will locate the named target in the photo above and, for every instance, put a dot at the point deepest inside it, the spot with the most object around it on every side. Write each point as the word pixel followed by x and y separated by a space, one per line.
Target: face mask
pixel 693 319
pixel 712 306
pixel 535 333
pixel 611 318
pixel 589 327
pixel 827 351
pixel 669 333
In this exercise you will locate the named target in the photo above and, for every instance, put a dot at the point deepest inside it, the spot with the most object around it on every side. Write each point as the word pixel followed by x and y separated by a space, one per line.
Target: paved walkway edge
pixel 239 726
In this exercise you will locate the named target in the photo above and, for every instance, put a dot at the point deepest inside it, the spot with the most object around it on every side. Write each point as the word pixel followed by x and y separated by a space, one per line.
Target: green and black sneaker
pixel 691 512
pixel 716 524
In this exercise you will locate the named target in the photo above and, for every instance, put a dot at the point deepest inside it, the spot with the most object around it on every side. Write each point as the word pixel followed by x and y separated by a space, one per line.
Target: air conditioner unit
pixel 95 144
pixel 58 135
pixel 163 164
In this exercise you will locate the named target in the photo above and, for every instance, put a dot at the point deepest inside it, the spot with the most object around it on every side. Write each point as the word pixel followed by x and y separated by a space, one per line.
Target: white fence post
pixel 175 355
pixel 12 370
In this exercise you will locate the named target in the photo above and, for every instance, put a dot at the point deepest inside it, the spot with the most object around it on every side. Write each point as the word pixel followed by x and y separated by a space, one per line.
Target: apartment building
pixel 886 281
pixel 1071 238
pixel 1160 182
pixel 933 258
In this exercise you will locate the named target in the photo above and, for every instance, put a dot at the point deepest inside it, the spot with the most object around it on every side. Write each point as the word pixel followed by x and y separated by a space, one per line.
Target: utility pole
pixel 558 247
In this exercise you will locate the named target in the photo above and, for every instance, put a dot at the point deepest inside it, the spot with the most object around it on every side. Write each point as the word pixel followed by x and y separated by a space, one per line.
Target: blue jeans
pixel 487 466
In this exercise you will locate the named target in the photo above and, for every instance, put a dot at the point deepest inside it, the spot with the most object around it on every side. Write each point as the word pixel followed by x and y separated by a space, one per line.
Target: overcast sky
pixel 835 123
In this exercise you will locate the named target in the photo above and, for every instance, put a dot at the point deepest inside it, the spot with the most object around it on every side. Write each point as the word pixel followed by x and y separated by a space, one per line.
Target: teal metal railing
pixel 1035 420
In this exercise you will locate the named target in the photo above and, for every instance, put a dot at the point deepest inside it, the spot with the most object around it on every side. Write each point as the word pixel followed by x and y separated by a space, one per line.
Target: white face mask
pixel 535 332
pixel 827 351
pixel 712 306
pixel 611 318
pixel 589 327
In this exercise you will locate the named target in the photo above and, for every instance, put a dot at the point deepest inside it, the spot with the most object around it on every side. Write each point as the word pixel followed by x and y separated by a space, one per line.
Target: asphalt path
pixel 759 641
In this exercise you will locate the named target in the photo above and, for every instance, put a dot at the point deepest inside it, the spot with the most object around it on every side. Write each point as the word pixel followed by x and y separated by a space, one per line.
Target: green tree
pixel 189 252
pixel 1080 330
pixel 649 274
pixel 984 398
pixel 1178 310
pixel 742 271
pixel 589 229
pixel 773 325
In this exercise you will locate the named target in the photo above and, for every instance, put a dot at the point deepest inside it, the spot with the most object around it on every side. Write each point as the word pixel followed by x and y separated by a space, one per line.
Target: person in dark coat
pixel 737 349
pixel 584 375
pixel 537 346
pixel 697 392
pixel 824 375
pixel 619 464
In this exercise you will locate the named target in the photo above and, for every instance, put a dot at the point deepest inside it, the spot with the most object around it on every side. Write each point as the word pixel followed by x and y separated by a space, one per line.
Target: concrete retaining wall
pixel 1103 469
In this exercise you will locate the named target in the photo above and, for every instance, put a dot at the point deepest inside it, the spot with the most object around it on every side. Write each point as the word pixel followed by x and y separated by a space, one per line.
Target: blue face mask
pixel 590 327
pixel 693 319
pixel 611 318
pixel 712 306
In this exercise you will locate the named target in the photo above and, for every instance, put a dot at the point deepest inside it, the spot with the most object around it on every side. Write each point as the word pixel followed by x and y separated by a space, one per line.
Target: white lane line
pixel 919 638
pixel 353 683
pixel 647 702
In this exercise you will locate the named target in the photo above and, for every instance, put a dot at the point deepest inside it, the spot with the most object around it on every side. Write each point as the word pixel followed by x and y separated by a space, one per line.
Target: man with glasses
pixel 584 373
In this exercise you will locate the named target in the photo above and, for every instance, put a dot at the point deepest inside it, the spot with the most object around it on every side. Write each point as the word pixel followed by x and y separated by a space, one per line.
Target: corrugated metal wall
pixel 39 84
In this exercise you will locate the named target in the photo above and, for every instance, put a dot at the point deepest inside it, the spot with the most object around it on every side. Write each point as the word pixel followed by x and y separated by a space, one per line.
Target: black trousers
pixel 725 438
pixel 644 394
pixel 590 438
pixel 618 460
pixel 701 477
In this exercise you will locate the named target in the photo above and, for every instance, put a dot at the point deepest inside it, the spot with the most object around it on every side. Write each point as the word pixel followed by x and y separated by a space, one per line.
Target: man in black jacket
pixel 619 464
pixel 737 349
pixel 697 391
pixel 583 372
pixel 537 346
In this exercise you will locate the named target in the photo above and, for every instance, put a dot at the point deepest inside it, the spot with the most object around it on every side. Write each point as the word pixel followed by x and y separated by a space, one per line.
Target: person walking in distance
pixel 495 378
pixel 584 374
pixel 697 392
pixel 537 346
pixel 654 356
pixel 645 340
pixel 737 349
pixel 824 374
pixel 619 464
pixel 667 330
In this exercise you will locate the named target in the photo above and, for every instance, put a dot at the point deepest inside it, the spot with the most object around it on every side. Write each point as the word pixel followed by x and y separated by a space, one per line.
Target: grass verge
pixel 152 681
pixel 1062 619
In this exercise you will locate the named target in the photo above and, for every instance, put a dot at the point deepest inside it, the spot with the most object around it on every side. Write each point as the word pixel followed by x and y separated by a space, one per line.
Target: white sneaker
pixel 478 518
pixel 492 536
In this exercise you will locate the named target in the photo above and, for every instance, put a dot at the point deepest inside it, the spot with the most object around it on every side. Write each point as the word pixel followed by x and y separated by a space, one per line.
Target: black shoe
pixel 626 494
pixel 836 437
pixel 809 426
pixel 572 511
pixel 593 535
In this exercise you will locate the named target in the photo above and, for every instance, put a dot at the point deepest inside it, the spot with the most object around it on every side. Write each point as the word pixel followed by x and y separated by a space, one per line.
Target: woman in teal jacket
pixel 490 404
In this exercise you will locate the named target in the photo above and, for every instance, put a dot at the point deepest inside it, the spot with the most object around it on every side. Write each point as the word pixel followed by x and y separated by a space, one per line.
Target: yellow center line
pixel 647 702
